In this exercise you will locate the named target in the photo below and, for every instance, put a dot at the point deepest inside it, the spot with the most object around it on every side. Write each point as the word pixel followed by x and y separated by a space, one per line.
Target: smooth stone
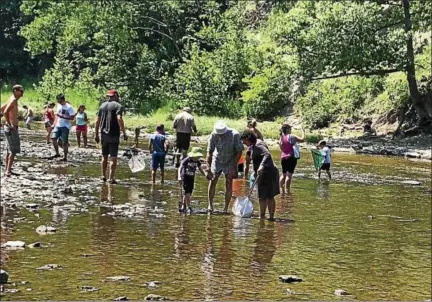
pixel 290 278
pixel 86 288
pixel 153 297
pixel 11 290
pixel 341 292
pixel 118 278
pixel 32 206
pixel 411 182
pixel 45 229
pixel 34 245
pixel 15 244
pixel 123 298
pixel 49 267
pixel 152 284
pixel 412 155
pixel 4 276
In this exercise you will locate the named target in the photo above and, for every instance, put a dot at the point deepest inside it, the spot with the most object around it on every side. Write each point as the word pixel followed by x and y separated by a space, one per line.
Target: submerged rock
pixel 34 245
pixel 45 229
pixel 341 292
pixel 290 278
pixel 49 267
pixel 123 298
pixel 118 278
pixel 153 297
pixel 152 284
pixel 411 182
pixel 86 288
pixel 19 244
pixel 4 276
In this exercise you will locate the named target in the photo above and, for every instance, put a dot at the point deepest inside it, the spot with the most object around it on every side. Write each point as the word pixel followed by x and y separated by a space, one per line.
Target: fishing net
pixel 136 163
pixel 317 159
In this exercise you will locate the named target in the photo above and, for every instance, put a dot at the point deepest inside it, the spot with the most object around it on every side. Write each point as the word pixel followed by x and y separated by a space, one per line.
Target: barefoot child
pixel 186 175
pixel 158 149
pixel 325 151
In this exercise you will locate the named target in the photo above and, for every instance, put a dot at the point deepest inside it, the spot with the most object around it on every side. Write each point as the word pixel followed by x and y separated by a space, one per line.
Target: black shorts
pixel 288 165
pixel 110 145
pixel 188 184
pixel 240 168
pixel 325 167
pixel 183 141
pixel 48 124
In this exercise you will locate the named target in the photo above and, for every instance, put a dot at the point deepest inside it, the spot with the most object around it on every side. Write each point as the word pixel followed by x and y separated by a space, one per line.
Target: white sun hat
pixel 220 127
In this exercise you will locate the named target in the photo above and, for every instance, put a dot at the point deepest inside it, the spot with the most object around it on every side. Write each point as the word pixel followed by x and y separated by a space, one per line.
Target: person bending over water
pixel 266 173
pixel 289 156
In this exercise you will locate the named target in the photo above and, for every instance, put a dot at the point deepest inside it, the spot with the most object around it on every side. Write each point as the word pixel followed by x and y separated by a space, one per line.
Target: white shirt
pixel 67 111
pixel 326 153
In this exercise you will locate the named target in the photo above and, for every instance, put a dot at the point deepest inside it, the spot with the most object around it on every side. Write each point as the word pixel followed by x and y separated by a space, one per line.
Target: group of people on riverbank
pixel 224 152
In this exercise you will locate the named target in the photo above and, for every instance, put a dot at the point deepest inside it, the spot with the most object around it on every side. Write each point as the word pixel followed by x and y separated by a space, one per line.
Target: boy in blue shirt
pixel 158 149
pixel 325 152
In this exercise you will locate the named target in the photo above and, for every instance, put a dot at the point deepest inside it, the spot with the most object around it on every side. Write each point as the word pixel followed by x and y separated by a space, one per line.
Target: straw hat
pixel 196 152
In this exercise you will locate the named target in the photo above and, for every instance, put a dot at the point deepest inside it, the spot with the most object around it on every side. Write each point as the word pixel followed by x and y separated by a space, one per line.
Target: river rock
pixel 412 154
pixel 290 278
pixel 32 206
pixel 411 182
pixel 45 229
pixel 20 244
pixel 68 190
pixel 34 245
pixel 152 284
pixel 153 297
pixel 118 278
pixel 341 292
pixel 4 276
pixel 123 298
pixel 86 288
pixel 49 267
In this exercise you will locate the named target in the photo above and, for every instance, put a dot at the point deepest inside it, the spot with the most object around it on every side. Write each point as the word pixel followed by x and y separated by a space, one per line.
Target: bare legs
pixel 270 204
pixel 48 136
pixel 154 172
pixel 9 160
pixel 212 190
pixel 113 166
pixel 84 136
pixel 104 165
pixel 186 201
pixel 285 182
pixel 328 174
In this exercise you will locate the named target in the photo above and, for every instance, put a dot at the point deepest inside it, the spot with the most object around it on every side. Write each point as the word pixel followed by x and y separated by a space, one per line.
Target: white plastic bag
pixel 242 207
pixel 136 163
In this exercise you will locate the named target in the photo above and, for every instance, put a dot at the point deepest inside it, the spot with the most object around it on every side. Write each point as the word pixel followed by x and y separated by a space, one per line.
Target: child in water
pixel 325 151
pixel 81 121
pixel 186 176
pixel 158 149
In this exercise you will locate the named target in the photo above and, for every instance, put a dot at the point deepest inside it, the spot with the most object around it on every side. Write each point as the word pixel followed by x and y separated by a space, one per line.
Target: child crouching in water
pixel 186 176
pixel 325 152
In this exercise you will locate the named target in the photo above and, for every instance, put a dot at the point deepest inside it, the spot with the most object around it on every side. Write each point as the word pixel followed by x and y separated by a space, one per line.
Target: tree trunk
pixel 422 105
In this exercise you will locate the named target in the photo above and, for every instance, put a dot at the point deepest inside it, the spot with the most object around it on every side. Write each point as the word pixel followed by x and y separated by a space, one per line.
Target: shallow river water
pixel 364 232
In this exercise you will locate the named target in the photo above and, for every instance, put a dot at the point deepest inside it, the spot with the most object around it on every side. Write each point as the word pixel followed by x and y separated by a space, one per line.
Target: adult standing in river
pixel 110 122
pixel 62 124
pixel 223 153
pixel 184 124
pixel 266 173
pixel 10 114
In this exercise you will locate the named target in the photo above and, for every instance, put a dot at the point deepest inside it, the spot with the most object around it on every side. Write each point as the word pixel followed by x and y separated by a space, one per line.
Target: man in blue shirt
pixel 158 149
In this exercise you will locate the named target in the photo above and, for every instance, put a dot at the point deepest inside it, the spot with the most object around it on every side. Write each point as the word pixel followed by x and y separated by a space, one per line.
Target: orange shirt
pixel 241 160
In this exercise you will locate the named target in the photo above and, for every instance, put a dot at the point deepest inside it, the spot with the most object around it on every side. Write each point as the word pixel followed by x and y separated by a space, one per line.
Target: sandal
pixel 112 181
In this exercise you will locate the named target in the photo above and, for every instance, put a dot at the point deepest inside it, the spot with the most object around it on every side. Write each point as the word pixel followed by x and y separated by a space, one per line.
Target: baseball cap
pixel 112 92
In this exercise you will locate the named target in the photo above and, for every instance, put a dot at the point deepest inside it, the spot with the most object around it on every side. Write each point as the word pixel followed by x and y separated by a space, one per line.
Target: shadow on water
pixel 349 234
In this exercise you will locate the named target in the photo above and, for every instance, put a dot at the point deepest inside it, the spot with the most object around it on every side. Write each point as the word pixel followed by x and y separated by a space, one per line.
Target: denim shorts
pixel 61 132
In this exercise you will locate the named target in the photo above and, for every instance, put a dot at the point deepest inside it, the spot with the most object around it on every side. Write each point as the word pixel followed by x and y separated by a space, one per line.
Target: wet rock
pixel 152 284
pixel 86 288
pixel 4 276
pixel 118 278
pixel 412 154
pixel 370 217
pixel 411 182
pixel 123 298
pixel 11 290
pixel 341 292
pixel 24 282
pixel 15 244
pixel 34 245
pixel 28 289
pixel 153 297
pixel 290 291
pixel 32 206
pixel 49 267
pixel 68 190
pixel 45 229
pixel 290 279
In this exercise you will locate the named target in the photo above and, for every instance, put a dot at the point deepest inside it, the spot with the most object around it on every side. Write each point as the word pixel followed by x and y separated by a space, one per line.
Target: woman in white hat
pixel 223 153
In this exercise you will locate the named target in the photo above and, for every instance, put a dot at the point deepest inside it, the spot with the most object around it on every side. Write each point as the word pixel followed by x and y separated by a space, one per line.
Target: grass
pixel 33 99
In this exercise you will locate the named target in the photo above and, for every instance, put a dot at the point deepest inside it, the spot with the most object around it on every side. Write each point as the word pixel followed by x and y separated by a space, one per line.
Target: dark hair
pixel 159 127
pixel 285 128
pixel 60 97
pixel 25 107
pixel 250 136
pixel 322 143
pixel 252 123
pixel 51 105
pixel 81 106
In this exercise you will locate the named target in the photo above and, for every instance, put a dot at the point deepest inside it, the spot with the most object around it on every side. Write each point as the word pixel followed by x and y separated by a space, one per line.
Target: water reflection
pixel 207 264
pixel 264 247
pixel 181 239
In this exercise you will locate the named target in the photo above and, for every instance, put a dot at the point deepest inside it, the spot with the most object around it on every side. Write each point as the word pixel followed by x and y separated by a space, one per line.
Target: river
pixel 364 232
